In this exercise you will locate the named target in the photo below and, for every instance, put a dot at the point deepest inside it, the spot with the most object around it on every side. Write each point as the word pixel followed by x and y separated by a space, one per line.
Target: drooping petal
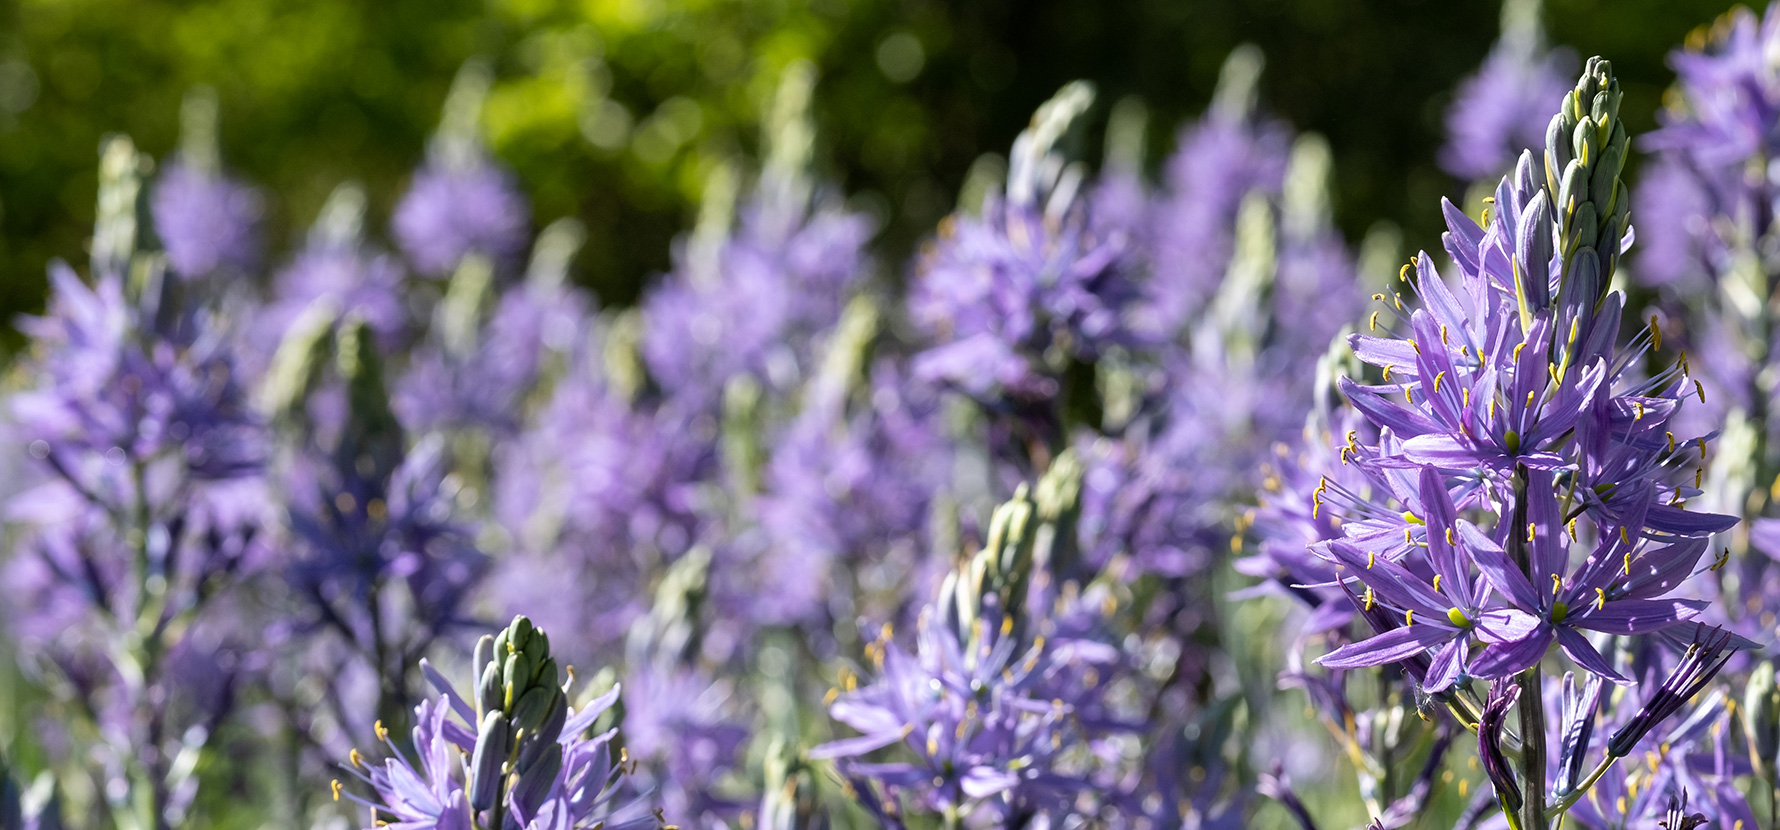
pixel 1583 652
pixel 1504 659
pixel 1390 647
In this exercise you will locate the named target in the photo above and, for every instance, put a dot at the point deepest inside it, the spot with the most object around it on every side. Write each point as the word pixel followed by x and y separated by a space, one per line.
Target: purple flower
pixel 1619 590
pixel 145 514
pixel 850 496
pixel 1219 160
pixel 454 210
pixel 1502 109
pixel 562 777
pixel 1011 296
pixel 602 493
pixel 207 221
pixel 990 724
pixel 754 304
pixel 338 273
pixel 677 723
pixel 489 386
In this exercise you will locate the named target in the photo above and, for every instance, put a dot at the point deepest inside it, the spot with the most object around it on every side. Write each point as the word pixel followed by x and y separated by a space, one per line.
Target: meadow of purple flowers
pixel 1120 506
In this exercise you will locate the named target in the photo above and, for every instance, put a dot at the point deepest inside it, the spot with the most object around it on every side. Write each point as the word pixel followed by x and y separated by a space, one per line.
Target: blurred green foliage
pixel 612 110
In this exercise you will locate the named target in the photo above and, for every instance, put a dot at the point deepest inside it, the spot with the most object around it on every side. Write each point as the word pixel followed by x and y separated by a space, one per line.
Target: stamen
pixel 1656 334
pixel 1600 598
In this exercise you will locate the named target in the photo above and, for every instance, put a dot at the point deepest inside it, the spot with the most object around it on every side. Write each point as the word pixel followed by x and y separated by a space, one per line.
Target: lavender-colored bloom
pixel 602 494
pixel 1229 153
pixel 207 221
pixel 454 210
pixel 1015 294
pixel 488 386
pixel 569 781
pixel 1502 109
pixel 382 560
pixel 147 512
pixel 678 727
pixel 850 496
pixel 990 724
pixel 752 302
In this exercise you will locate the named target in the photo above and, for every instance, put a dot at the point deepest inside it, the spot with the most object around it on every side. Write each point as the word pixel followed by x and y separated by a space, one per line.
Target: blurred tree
pixel 613 110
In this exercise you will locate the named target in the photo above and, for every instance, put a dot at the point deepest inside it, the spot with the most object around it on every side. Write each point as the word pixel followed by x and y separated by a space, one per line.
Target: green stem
pixel 1531 708
pixel 1561 806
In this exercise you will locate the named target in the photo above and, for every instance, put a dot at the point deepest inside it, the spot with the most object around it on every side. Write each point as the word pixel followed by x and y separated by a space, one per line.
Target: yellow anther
pixel 1572 530
pixel 336 786
pixel 1671 441
pixel 1517 348
pixel 1443 334
pixel 1600 598
pixel 1699 474
pixel 1532 528
pixel 1007 625
pixel 1387 372
pixel 1408 538
pixel 1625 535
pixel 1724 558
pixel 1656 335
pixel 1530 395
pixel 833 694
pixel 1700 389
pixel 1465 397
pixel 357 758
pixel 1416 347
pixel 1492 409
pixel 1436 583
pixel 1557 584
pixel 1373 324
pixel 1409 394
pixel 1638 407
pixel 1628 563
pixel 932 745
pixel 1403 273
pixel 382 734
pixel 1371 559
pixel 1701 443
pixel 1437 378
pixel 1449 537
pixel 1409 617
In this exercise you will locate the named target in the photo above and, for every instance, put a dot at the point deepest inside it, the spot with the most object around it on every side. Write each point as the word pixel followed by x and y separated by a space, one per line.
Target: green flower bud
pixel 1761 713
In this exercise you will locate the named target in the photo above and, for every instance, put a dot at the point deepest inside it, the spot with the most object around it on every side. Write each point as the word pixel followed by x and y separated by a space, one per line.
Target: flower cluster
pixel 1044 527
pixel 1524 484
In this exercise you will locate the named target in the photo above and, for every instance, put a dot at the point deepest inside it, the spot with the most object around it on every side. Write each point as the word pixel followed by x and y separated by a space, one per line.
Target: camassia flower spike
pixel 519 754
pixel 1521 493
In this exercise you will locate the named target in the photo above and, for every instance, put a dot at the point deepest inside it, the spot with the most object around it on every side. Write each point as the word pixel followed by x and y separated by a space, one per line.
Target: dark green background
pixel 316 91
